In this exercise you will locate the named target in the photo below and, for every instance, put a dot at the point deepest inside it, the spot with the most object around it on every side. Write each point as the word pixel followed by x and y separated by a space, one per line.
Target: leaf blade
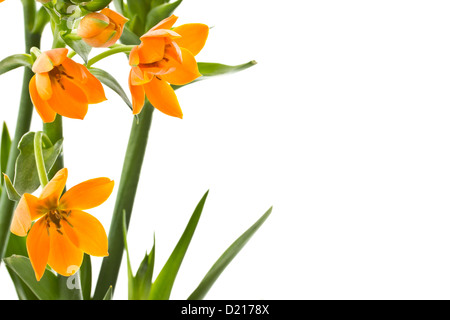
pixel 163 284
pixel 15 61
pixel 224 260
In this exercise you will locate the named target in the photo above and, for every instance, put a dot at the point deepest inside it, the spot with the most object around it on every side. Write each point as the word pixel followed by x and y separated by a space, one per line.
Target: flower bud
pixel 101 29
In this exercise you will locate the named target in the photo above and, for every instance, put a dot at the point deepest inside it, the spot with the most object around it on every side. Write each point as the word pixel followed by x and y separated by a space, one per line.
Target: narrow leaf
pixel 225 259
pixel 5 147
pixel 15 61
pixel 86 277
pixel 131 280
pixel 210 69
pixel 163 284
pixel 160 12
pixel 109 294
pixel 109 81
pixel 144 275
pixel 46 289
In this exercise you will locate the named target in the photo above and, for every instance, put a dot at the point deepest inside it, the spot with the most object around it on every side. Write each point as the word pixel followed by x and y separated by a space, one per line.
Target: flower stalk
pixel 39 155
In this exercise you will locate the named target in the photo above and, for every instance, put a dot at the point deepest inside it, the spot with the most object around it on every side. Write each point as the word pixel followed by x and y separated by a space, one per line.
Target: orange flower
pixel 63 86
pixel 101 29
pixel 165 56
pixel 63 231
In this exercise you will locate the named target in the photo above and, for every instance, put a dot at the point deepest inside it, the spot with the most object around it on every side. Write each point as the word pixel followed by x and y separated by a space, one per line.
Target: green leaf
pixel 77 45
pixel 15 61
pixel 144 275
pixel 159 13
pixel 26 175
pixel 5 147
pixel 109 81
pixel 12 193
pixel 163 284
pixel 139 8
pixel 129 37
pixel 109 294
pixel 86 277
pixel 225 259
pixel 210 69
pixel 131 281
pixel 120 8
pixel 46 289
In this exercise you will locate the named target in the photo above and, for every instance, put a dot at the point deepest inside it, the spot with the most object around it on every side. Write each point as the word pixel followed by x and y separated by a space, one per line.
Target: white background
pixel 342 126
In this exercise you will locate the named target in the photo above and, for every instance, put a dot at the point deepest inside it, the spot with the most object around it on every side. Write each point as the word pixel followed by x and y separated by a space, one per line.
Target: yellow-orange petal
pixel 28 210
pixel 86 233
pixel 151 50
pixel 93 88
pixel 114 16
pixel 44 85
pixel 52 191
pixel 184 72
pixel 68 99
pixel 38 247
pixel 193 36
pixel 74 70
pixel 160 33
pixel 46 113
pixel 137 95
pixel 167 23
pixel 88 194
pixel 42 64
pixel 163 97
pixel 64 257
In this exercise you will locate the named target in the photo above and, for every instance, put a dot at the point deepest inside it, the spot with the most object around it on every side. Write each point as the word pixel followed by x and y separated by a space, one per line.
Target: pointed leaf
pixel 46 289
pixel 160 12
pixel 26 176
pixel 163 284
pixel 109 294
pixel 109 81
pixel 15 61
pixel 86 277
pixel 209 69
pixel 77 45
pixel 131 280
pixel 5 146
pixel 144 275
pixel 225 259
pixel 12 193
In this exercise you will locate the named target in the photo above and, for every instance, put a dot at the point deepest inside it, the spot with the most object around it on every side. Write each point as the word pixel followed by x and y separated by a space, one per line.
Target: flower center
pixel 55 217
pixel 57 73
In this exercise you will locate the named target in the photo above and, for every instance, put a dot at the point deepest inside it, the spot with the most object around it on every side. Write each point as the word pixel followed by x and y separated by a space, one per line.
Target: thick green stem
pixel 129 180
pixel 22 125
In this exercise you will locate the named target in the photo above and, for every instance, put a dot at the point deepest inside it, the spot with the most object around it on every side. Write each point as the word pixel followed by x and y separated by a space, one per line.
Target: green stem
pixel 110 52
pixel 129 180
pixel 39 155
pixel 54 132
pixel 22 125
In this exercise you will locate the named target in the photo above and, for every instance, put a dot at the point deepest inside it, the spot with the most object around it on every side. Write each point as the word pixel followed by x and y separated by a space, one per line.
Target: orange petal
pixel 38 247
pixel 163 97
pixel 116 17
pixel 57 56
pixel 167 23
pixel 86 233
pixel 93 88
pixel 74 70
pixel 134 56
pixel 87 195
pixel 151 50
pixel 44 85
pixel 64 257
pixel 193 36
pixel 42 64
pixel 184 72
pixel 160 33
pixel 28 210
pixel 92 24
pixel 52 191
pixel 45 111
pixel 137 95
pixel 68 99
